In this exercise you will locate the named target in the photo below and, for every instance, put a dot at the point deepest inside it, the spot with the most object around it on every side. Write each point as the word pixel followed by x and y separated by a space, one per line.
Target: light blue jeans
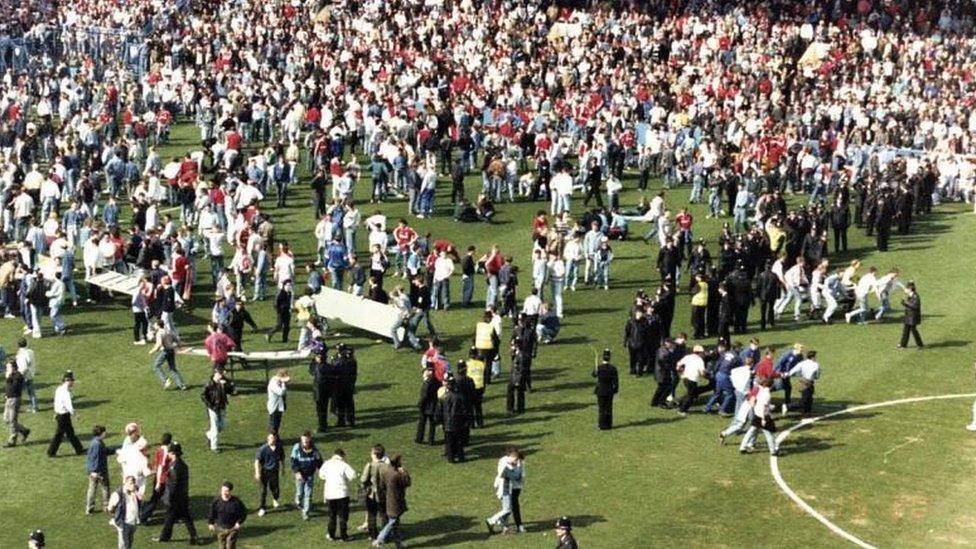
pixel 216 426
pixel 557 284
pixel 750 439
pixel 743 413
pixel 56 319
pixel 390 530
pixel 492 293
pixel 168 357
pixel 792 293
pixel 467 290
pixel 303 493
pixel 572 273
pixel 501 517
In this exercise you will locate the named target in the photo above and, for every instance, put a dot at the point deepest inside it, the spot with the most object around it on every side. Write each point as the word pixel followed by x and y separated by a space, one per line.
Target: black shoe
pixel 26 434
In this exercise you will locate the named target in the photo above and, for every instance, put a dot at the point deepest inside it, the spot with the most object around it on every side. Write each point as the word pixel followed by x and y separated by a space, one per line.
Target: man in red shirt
pixel 684 220
pixel 161 465
pixel 218 344
pixel 493 261
pixel 405 237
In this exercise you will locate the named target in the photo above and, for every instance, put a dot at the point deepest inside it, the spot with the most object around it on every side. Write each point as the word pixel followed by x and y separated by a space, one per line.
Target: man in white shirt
pixel 336 475
pixel 741 377
pixel 63 411
pixel 441 292
pixel 277 390
pixel 27 366
pixel 805 374
pixel 795 278
pixel 691 368
pixel 864 288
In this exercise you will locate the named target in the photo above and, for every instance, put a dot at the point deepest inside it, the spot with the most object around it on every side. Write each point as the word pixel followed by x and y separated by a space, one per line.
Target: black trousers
pixel 787 391
pixel 806 400
pixel 840 239
pixel 338 509
pixel 913 330
pixel 593 192
pixel 605 412
pixel 147 508
pixel 638 360
pixel 65 429
pixel 515 399
pixel 691 393
pixel 269 481
pixel 373 511
pixel 661 393
pixel 698 321
pixel 274 421
pixel 766 313
pixel 140 326
pixel 476 406
pixel 422 425
pixel 345 408
pixel 284 325
pixel 174 515
pixel 884 231
pixel 453 446
pixel 723 331
pixel 516 506
pixel 322 408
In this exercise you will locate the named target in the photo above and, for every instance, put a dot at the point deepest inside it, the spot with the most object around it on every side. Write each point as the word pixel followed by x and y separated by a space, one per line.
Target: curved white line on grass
pixel 774 462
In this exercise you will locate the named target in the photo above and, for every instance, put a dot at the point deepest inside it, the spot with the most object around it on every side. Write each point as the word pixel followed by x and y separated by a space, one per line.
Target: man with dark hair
pixel 267 470
pixel 913 316
pixel 97 467
pixel 178 496
pixel 63 412
pixel 14 389
pixel 305 461
pixel 454 414
pixel 227 514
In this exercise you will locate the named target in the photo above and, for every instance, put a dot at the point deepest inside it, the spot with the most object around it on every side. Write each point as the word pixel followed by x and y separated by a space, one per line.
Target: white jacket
pixel 336 474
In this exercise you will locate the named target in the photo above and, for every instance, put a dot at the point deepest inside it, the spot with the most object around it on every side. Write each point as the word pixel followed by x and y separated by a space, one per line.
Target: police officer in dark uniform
pixel 346 371
pixel 454 414
pixel 636 336
pixel 607 385
pixel 664 305
pixel 768 289
pixel 882 220
pixel 323 387
pixel 515 397
pixel 664 374
pixel 740 286
pixel 564 534
pixel 427 405
pixel 913 316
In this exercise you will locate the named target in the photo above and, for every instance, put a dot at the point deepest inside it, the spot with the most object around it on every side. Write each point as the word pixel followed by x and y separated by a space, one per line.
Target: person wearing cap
pixel 691 367
pixel 664 374
pixel 427 405
pixel 479 374
pixel 177 496
pixel 347 372
pixel 63 412
pixel 913 316
pixel 517 379
pixel 324 381
pixel 226 516
pixel 564 534
pixel 699 304
pixel 607 385
pixel 454 417
pixel 35 540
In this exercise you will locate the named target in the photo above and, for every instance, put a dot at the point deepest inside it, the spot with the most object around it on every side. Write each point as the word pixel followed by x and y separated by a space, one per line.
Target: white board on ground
pixel 356 311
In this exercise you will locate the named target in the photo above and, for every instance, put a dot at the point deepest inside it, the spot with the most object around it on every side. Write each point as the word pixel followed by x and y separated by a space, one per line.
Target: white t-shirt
pixel 694 367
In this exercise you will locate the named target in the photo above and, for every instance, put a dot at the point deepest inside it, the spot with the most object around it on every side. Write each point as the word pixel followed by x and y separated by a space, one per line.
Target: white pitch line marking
pixel 774 461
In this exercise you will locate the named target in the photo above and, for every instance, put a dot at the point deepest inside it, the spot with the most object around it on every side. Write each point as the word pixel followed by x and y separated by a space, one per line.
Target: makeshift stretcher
pixel 253 360
pixel 356 311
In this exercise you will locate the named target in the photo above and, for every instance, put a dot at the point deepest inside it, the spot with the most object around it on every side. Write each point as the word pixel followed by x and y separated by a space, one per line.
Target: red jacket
pixel 218 344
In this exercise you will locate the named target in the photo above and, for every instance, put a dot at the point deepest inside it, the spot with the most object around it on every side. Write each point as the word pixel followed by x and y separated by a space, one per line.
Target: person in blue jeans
pixel 305 462
pixel 167 341
pixel 724 394
pixel 337 261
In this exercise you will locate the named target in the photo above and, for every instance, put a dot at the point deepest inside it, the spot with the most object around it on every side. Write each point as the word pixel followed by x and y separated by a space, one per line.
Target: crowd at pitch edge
pixel 859 108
